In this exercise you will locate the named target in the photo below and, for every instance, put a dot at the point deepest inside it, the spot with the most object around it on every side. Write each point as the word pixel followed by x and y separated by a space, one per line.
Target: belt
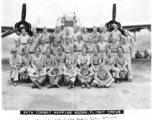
pixel 95 64
pixel 78 50
pixel 23 43
pixel 90 51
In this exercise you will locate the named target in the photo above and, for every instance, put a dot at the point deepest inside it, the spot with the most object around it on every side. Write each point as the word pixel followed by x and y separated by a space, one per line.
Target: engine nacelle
pixel 26 25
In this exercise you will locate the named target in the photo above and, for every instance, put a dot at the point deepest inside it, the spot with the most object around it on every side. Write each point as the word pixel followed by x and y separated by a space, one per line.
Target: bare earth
pixel 127 95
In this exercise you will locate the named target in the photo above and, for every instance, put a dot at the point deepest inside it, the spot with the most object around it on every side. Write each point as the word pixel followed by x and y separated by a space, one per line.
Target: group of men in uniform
pixel 93 59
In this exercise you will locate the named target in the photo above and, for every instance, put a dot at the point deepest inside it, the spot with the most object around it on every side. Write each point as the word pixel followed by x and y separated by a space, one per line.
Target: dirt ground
pixel 127 95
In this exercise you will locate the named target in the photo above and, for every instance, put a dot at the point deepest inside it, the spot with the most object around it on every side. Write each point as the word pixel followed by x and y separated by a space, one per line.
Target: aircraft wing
pixel 6 28
pixel 137 28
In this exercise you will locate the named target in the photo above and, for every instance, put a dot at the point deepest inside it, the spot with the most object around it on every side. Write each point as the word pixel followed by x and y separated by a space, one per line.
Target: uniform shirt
pixel 31 47
pixel 55 48
pixel 57 37
pixel 83 59
pixel 116 35
pixel 46 37
pixel 67 38
pixel 113 47
pixel 26 61
pixel 102 46
pixel 75 35
pixel 103 75
pixel 90 47
pixel 15 60
pixel 78 46
pixel 109 61
pixel 60 58
pixel 106 36
pixel 37 59
pixel 71 58
pixel 95 37
pixel 43 47
pixel 95 60
pixel 85 37
pixel 126 48
pixel 120 61
pixel 67 46
pixel 49 61
pixel 130 40
pixel 19 50
pixel 36 39
pixel 70 71
pixel 23 39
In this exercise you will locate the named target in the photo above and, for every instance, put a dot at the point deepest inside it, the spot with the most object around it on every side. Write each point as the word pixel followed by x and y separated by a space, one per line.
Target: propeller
pixel 20 25
pixel 23 14
pixel 114 12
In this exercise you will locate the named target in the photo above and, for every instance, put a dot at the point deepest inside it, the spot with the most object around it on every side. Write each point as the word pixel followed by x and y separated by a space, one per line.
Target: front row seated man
pixel 102 77
pixel 55 76
pixel 85 75
pixel 146 54
pixel 38 75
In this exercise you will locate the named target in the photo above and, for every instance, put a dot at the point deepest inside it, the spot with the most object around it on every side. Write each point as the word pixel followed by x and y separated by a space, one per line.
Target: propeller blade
pixel 23 14
pixel 9 32
pixel 114 12
pixel 29 32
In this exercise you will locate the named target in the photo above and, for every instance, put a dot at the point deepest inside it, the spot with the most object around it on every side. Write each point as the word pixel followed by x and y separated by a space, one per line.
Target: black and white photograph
pixel 75 55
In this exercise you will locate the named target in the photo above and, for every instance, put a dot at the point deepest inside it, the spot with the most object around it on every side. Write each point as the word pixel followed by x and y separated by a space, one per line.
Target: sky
pixel 90 12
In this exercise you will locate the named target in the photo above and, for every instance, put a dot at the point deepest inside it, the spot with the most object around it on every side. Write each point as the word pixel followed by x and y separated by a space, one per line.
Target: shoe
pixel 34 86
pixel 50 86
pixel 58 86
pixel 37 84
pixel 83 85
pixel 69 87
pixel 11 80
pixel 88 86
pixel 15 83
pixel 117 80
pixel 129 80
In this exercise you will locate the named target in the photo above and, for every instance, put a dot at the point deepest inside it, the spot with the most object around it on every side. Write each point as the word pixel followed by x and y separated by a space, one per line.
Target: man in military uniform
pixel 66 47
pixel 83 58
pixel 26 65
pixel 95 60
pixel 116 34
pixel 76 33
pixel 38 75
pixel 78 45
pixel 23 38
pixel 60 58
pixel 71 57
pixel 102 47
pixel 67 37
pixel 110 65
pixel 55 47
pixel 130 39
pixel 105 35
pixel 36 38
pixel 113 46
pixel 121 63
pixel 85 35
pixel 15 62
pixel 127 51
pixel 57 35
pixel 43 46
pixel 46 36
pixel 102 77
pixel 85 75
pixel 95 35
pixel 70 74
pixel 37 58
pixel 19 48
pixel 49 60
pixel 31 47
pixel 55 76
pixel 90 46
pixel 138 54
pixel 146 54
